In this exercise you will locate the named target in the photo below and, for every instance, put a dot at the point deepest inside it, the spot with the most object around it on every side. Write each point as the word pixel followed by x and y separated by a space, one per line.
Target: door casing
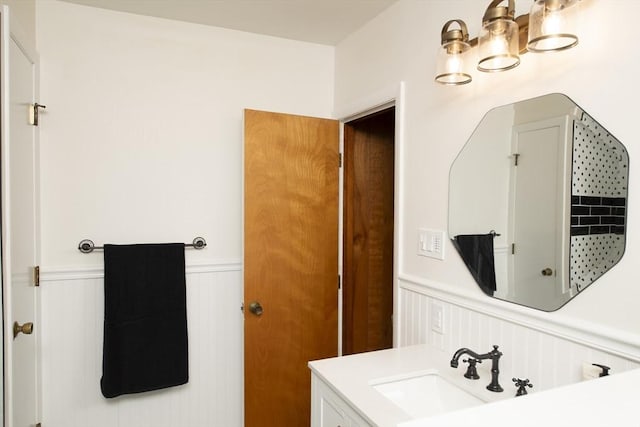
pixel 381 99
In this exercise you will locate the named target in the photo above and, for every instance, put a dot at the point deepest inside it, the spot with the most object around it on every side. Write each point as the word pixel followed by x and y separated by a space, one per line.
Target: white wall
pixel 142 135
pixel 400 44
pixel 141 141
pixel 23 16
pixel 480 180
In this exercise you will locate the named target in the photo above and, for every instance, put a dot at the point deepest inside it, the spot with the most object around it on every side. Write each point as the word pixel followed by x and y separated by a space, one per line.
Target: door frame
pixel 390 96
pixel 10 30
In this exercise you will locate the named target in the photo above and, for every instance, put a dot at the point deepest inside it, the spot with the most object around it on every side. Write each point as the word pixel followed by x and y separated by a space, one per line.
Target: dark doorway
pixel 368 232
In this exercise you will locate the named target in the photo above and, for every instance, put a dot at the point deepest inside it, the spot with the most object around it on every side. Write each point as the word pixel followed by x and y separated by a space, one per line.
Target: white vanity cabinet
pixel 330 410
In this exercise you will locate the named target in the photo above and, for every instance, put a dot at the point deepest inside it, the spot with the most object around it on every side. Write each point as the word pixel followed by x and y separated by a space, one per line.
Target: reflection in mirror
pixel 537 202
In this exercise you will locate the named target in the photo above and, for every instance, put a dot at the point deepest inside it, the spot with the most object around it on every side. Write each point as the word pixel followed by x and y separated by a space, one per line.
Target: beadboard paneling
pixel 72 316
pixel 547 360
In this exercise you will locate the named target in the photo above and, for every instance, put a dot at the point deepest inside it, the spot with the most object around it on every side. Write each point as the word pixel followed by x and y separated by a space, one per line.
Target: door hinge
pixel 513 249
pixel 339 282
pixel 515 159
pixel 33 113
pixel 36 275
pixel 339 160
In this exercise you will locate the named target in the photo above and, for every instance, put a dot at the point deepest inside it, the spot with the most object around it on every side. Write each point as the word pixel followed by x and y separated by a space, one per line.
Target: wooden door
pixel 290 261
pixel 368 233
pixel 19 226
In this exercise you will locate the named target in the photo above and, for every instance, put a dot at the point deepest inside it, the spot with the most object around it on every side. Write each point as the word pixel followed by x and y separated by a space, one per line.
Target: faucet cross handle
pixel 522 386
pixel 472 372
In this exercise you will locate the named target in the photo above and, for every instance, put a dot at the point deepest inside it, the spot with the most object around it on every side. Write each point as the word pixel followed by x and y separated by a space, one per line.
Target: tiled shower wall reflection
pixel 598 201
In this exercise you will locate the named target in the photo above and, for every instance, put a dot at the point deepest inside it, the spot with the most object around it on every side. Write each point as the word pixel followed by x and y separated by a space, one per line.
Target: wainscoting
pixel 71 329
pixel 547 353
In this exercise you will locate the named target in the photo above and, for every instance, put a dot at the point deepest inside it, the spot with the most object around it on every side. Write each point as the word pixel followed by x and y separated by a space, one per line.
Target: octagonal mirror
pixel 538 200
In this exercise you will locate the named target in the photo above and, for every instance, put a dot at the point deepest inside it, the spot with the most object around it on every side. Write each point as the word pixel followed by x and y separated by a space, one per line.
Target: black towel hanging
pixel 145 321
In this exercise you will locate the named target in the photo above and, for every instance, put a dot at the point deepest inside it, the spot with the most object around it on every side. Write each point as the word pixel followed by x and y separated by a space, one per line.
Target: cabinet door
pixel 330 410
pixel 331 415
pixel 354 419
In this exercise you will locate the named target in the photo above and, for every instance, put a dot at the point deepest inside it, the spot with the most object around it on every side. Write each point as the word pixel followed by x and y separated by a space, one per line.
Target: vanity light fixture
pixel 551 25
pixel 498 44
pixel 453 61
pixel 504 37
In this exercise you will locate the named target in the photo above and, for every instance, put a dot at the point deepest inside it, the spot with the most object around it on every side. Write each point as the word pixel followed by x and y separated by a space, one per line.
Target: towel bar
pixel 87 246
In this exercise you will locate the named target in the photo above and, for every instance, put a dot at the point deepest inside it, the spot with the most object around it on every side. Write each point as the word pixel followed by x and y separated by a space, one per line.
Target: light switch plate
pixel 431 243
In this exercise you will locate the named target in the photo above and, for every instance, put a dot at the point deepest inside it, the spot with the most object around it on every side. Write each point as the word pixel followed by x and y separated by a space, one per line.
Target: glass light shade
pixel 498 45
pixel 454 63
pixel 552 25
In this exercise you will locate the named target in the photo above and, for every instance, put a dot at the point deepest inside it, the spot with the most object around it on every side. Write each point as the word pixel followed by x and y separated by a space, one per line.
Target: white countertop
pixel 608 401
pixel 351 377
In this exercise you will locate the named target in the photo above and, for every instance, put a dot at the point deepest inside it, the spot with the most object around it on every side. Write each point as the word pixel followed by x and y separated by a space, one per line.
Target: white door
pixel 19 228
pixel 539 200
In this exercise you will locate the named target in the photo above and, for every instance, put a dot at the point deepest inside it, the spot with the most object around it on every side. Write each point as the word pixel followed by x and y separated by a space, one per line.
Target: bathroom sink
pixel 425 394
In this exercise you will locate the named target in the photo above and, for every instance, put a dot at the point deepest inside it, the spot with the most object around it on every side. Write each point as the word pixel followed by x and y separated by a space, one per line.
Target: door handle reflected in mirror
pixel 547 272
pixel 255 308
pixel 26 329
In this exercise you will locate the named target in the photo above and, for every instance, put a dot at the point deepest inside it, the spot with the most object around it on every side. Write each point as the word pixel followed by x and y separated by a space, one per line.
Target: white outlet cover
pixel 437 318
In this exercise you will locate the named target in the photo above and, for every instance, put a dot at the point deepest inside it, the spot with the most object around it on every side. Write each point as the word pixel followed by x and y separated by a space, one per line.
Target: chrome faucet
pixel 494 355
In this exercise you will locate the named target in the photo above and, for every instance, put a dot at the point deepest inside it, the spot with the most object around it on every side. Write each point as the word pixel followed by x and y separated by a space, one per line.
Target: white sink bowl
pixel 425 394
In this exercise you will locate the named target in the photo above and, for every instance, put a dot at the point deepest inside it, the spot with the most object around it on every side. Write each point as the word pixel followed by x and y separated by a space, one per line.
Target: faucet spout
pixel 458 354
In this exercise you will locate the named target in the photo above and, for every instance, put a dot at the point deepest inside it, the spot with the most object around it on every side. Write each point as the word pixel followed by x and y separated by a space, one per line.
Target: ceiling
pixel 316 21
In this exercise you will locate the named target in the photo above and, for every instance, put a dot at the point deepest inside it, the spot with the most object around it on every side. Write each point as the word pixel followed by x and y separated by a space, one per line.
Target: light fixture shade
pixel 453 66
pixel 552 25
pixel 498 43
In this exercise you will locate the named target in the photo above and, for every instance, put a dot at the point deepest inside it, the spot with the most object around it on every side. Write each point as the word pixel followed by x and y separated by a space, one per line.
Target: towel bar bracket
pixel 87 246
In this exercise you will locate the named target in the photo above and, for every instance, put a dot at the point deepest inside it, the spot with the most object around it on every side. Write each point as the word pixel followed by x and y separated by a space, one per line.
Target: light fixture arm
pixel 448 35
pixel 495 12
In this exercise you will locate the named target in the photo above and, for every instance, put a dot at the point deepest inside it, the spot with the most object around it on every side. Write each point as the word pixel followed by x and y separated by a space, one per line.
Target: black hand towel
pixel 145 318
pixel 476 251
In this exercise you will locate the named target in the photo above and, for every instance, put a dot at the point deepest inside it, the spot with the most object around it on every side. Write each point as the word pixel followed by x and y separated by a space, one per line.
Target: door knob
pixel 26 329
pixel 547 272
pixel 256 308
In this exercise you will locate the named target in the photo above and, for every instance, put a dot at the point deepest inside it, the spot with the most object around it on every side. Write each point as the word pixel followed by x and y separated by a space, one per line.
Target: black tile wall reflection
pixel 597 215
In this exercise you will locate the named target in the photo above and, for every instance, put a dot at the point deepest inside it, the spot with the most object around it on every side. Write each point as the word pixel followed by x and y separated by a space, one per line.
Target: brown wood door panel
pixel 290 261
pixel 368 233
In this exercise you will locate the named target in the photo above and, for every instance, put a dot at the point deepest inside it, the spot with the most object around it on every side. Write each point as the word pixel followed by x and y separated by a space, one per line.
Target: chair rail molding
pixel 56 274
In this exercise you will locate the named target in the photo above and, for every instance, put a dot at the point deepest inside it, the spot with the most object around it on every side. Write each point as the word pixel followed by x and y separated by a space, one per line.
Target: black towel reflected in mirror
pixel 477 253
